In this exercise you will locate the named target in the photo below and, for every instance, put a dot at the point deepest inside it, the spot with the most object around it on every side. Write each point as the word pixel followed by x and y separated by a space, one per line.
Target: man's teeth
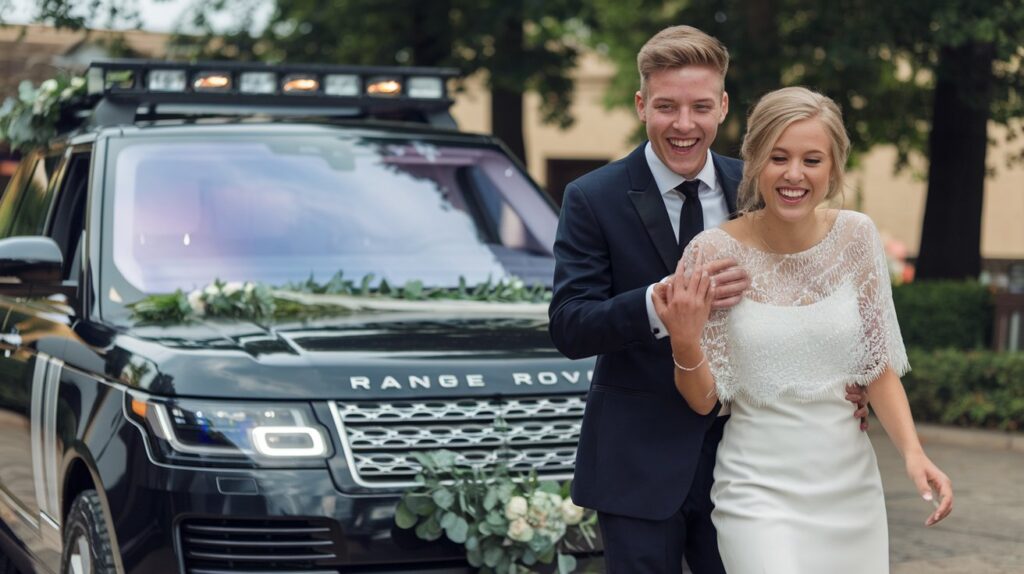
pixel 792 193
pixel 683 143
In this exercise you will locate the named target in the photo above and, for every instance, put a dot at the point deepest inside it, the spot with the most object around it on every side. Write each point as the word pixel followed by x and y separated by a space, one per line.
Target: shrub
pixel 941 314
pixel 982 389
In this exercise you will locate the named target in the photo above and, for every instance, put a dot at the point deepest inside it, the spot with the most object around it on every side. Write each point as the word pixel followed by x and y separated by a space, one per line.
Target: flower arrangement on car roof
pixel 31 119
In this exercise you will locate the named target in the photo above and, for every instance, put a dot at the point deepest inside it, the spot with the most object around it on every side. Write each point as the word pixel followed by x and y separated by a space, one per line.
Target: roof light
pixel 119 79
pixel 341 85
pixel 166 80
pixel 425 87
pixel 383 86
pixel 212 82
pixel 257 82
pixel 300 83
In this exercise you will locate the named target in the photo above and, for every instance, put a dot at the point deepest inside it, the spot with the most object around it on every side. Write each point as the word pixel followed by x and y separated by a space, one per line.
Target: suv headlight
pixel 224 433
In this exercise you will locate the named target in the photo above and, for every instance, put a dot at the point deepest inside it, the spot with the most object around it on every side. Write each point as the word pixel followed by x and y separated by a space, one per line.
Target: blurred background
pixel 933 96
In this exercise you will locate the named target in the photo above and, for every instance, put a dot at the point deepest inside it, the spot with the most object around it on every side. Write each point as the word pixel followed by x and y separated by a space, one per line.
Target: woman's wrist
pixel 688 356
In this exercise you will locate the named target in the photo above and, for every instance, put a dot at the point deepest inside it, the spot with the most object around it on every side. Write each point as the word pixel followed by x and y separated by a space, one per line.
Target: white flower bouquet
pixel 30 120
pixel 506 524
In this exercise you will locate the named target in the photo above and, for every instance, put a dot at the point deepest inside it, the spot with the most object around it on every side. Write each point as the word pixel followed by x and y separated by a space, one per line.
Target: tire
pixel 87 548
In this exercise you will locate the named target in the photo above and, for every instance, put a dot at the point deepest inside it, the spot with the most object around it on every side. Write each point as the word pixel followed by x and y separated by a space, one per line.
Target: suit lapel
pixel 730 179
pixel 650 206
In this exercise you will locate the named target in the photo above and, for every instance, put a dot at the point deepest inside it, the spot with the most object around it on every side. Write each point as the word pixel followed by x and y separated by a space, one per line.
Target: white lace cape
pixel 805 340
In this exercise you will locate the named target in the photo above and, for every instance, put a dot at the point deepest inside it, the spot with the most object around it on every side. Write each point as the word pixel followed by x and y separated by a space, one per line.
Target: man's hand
pixel 684 303
pixel 731 281
pixel 858 395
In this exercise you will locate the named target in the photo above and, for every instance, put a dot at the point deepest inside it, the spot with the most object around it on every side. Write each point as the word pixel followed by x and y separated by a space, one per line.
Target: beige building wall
pixel 894 202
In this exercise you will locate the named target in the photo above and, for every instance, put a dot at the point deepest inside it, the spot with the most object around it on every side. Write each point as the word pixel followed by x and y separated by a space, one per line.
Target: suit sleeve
pixel 586 317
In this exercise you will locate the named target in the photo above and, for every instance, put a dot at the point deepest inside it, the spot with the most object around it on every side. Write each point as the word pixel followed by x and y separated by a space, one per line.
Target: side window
pixel 68 222
pixel 24 206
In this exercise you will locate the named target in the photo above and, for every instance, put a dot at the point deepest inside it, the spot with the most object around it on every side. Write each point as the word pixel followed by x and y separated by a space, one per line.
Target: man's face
pixel 682 112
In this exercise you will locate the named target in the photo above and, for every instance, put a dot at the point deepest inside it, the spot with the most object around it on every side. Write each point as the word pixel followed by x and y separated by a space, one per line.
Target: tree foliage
pixel 926 76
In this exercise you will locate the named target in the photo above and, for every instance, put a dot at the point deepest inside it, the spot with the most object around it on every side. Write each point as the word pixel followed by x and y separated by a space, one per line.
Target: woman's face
pixel 795 180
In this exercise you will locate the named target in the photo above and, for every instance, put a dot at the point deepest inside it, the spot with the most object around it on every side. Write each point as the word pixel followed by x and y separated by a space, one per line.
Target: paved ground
pixel 985 533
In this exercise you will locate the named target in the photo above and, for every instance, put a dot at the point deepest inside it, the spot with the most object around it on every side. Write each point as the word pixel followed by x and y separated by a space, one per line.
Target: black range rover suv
pixel 143 448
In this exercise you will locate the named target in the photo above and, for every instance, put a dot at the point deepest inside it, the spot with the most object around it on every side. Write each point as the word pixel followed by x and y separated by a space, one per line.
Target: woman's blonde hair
pixel 772 114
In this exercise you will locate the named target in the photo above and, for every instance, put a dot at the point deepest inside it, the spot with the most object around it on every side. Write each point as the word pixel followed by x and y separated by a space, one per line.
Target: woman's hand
pixel 684 303
pixel 927 476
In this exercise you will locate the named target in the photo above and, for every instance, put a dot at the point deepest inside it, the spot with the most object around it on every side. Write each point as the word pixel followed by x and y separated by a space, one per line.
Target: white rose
pixel 212 290
pixel 195 300
pixel 233 287
pixel 77 82
pixel 520 531
pixel 48 86
pixel 67 93
pixel 515 508
pixel 571 514
pixel 249 287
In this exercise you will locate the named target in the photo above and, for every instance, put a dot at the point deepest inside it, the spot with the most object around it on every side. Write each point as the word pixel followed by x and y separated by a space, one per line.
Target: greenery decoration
pixel 30 120
pixel 256 301
pixel 506 524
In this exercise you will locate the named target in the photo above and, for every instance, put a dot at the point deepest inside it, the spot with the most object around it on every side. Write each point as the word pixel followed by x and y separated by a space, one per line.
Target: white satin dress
pixel 797 488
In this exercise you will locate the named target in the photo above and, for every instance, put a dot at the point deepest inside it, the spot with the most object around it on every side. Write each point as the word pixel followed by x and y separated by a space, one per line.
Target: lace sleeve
pixel 882 344
pixel 709 246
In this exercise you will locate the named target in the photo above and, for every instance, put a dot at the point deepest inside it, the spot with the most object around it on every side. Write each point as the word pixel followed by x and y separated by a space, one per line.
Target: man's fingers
pixel 726 302
pixel 717 266
pixel 694 283
pixel 703 285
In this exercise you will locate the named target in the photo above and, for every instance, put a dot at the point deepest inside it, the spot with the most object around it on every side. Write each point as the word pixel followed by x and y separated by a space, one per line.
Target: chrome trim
pixel 50 531
pixel 541 433
pixel 8 501
pixel 52 508
pixel 35 419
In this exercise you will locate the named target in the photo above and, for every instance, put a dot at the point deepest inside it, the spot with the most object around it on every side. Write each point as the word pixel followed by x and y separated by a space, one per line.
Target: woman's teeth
pixel 792 194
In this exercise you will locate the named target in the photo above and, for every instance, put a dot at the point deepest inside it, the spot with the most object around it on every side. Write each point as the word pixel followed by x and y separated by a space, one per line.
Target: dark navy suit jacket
pixel 640 441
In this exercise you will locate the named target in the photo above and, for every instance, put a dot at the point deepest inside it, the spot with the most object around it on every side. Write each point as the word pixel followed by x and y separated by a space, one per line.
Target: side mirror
pixel 32 259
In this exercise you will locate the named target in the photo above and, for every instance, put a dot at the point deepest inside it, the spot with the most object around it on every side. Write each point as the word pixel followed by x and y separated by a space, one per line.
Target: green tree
pixel 927 76
pixel 520 45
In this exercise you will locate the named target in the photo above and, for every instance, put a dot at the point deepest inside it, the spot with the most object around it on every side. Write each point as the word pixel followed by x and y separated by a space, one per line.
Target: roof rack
pixel 156 88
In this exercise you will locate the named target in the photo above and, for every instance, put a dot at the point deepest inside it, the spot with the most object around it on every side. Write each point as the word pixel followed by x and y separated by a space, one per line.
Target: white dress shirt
pixel 712 202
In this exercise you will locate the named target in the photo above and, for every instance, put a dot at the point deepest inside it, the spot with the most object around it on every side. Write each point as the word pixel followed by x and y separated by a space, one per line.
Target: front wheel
pixel 87 548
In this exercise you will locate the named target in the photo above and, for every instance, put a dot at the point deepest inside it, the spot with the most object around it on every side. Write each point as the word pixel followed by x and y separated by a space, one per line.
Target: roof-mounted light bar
pixel 240 80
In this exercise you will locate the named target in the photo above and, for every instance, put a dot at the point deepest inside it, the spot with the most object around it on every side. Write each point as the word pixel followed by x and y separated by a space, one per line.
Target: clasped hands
pixel 684 301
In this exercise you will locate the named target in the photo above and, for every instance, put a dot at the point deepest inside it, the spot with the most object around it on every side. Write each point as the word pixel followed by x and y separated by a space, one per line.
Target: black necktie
pixel 691 217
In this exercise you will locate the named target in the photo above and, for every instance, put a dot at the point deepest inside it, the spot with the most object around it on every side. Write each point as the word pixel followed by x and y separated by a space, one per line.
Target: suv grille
pixel 220 546
pixel 379 437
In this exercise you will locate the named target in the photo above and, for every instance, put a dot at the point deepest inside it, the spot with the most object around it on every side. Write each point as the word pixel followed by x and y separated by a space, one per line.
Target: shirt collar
pixel 668 180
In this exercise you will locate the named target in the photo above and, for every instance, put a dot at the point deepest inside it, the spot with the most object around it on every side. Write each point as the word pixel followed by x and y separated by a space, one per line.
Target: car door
pixel 29 341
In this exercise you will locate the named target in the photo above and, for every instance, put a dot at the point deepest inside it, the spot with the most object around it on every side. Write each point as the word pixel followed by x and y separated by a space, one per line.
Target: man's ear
pixel 725 106
pixel 641 108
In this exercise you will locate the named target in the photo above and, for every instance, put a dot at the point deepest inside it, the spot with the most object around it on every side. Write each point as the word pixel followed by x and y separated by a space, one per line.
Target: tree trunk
pixel 506 82
pixel 951 234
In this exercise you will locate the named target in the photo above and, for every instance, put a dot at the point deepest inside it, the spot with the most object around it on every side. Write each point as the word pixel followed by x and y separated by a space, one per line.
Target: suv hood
pixel 372 356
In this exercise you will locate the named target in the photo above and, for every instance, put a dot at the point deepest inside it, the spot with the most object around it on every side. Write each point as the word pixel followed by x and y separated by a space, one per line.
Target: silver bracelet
pixel 694 368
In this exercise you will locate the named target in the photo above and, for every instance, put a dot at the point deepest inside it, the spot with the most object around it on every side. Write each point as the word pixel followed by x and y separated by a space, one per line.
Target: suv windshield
pixel 281 208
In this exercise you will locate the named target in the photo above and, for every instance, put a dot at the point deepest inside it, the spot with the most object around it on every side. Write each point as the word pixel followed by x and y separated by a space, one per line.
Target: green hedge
pixel 942 314
pixel 980 389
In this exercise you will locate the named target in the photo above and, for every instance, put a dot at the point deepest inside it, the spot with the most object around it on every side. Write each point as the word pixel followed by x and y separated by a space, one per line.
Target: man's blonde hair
pixel 772 114
pixel 677 47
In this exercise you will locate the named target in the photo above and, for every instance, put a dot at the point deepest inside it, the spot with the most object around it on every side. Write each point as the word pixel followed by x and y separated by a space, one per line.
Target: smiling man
pixel 645 459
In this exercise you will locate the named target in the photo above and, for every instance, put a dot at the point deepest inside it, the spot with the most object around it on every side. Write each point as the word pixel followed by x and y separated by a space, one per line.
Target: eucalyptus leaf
pixel 429 530
pixel 404 517
pixel 491 499
pixel 420 504
pixel 448 519
pixel 493 555
pixel 458 531
pixel 566 563
pixel 443 498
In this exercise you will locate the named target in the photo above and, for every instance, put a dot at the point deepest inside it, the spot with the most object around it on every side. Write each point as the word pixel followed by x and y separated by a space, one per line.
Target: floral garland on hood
pixel 30 120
